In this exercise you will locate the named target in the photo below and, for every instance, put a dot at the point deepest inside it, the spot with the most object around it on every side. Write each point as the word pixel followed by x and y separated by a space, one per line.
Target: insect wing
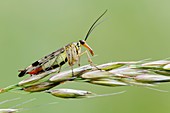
pixel 43 62
pixel 49 57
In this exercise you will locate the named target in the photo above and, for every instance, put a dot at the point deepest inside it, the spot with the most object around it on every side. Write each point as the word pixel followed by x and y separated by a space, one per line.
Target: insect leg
pixel 78 60
pixel 88 56
pixel 89 59
pixel 59 69
pixel 73 76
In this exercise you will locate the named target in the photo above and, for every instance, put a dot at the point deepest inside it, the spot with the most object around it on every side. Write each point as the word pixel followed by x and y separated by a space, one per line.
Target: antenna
pixel 93 26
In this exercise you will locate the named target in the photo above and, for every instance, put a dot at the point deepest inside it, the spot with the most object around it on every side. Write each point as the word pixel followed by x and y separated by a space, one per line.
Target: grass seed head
pixel 166 67
pixel 108 82
pixel 96 74
pixel 152 78
pixel 68 93
pixel 40 87
pixel 8 110
pixel 155 64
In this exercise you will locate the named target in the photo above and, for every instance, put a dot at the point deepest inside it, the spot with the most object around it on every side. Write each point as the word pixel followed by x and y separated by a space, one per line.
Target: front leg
pixel 89 59
pixel 88 56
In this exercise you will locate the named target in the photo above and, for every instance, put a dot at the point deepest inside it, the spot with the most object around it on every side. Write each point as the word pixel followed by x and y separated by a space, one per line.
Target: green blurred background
pixel 133 30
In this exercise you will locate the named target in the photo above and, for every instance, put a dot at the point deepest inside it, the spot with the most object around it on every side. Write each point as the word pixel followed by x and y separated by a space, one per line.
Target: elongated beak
pixel 89 48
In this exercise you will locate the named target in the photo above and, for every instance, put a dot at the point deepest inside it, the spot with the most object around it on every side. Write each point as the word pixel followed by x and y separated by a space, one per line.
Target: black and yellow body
pixel 70 53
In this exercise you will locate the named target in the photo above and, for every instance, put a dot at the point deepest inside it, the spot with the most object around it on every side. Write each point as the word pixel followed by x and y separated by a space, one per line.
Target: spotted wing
pixel 36 67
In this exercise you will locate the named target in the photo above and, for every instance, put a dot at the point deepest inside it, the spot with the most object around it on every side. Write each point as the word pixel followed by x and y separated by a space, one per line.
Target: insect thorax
pixel 73 51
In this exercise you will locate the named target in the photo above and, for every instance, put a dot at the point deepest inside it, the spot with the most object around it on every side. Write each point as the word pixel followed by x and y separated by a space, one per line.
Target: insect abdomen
pixel 56 62
pixel 56 65
pixel 53 63
pixel 22 73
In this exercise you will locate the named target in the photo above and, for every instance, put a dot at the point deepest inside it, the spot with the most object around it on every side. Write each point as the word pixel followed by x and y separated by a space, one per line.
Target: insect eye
pixel 82 42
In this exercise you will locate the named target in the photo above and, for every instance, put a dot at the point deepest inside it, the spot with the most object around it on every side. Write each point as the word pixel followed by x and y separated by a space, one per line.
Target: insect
pixel 70 53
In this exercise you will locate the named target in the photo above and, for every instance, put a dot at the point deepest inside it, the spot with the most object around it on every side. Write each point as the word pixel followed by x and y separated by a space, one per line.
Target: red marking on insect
pixel 35 71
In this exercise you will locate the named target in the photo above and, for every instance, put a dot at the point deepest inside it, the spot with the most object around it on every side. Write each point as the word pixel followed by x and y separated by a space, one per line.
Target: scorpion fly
pixel 70 53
